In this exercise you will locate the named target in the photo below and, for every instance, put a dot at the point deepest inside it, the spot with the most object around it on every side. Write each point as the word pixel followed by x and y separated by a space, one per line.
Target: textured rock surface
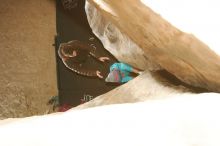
pixel 181 54
pixel 142 88
pixel 173 121
pixel 27 59
pixel 123 48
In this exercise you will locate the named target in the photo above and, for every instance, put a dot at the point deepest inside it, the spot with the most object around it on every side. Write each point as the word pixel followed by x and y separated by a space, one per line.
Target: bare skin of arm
pixel 98 73
pixel 103 59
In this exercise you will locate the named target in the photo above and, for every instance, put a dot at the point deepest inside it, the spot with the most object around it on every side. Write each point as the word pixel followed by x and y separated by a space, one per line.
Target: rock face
pixel 142 88
pixel 167 122
pixel 181 54
pixel 27 57
pixel 117 43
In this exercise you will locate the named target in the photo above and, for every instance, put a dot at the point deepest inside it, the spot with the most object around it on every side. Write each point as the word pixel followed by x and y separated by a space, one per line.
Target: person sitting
pixel 75 53
pixel 121 73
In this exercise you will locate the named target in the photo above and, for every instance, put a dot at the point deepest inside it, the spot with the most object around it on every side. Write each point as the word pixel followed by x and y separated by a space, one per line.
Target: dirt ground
pixel 27 57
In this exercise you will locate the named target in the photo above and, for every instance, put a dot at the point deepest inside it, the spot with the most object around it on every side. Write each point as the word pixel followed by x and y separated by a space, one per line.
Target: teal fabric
pixel 124 69
pixel 126 79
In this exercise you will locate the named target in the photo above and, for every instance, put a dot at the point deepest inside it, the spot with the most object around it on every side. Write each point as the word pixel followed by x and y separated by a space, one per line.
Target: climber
pixel 75 53
pixel 121 73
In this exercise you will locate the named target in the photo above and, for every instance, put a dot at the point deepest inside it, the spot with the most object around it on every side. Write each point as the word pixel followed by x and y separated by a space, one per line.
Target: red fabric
pixel 64 108
pixel 116 74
